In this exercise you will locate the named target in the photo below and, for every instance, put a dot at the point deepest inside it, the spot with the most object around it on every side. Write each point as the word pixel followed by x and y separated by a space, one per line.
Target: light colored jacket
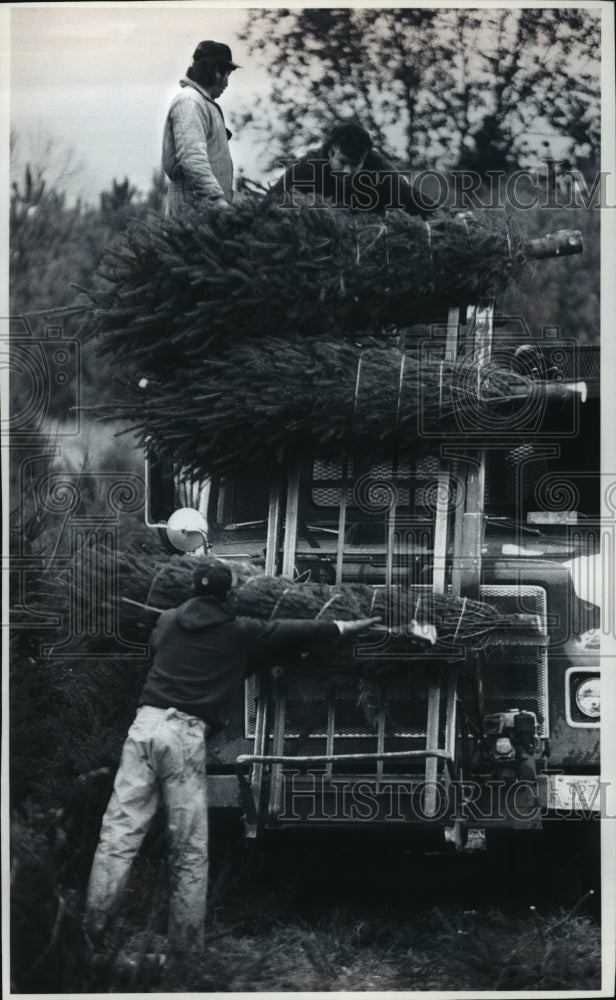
pixel 196 156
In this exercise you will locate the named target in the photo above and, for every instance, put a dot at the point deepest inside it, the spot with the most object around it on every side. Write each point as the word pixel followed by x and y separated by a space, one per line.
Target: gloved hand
pixel 351 628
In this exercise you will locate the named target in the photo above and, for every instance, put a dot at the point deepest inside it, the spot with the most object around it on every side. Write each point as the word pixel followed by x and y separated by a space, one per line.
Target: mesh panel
pixel 589 362
pixel 428 466
pixel 330 496
pixel 387 469
pixel 511 599
pixel 357 705
pixel 329 470
pixel 573 365
pixel 357 708
pixel 515 676
pixel 327 481
pixel 532 471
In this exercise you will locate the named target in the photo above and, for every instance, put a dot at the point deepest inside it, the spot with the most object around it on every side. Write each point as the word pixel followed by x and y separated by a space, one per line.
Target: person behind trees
pixel 349 173
pixel 202 655
pixel 195 155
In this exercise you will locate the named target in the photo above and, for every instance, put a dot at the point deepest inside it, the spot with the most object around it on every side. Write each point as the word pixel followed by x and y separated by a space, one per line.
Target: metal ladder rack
pixel 458 534
pixel 465 535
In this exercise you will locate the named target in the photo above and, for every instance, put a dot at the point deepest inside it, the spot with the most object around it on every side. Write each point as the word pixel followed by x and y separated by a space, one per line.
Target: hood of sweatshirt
pixel 201 613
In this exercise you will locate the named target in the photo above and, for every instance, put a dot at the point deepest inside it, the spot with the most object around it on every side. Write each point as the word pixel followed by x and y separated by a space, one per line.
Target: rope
pixel 386 252
pixel 382 229
pixel 400 384
pixel 278 602
pixel 429 232
pixel 158 573
pixel 372 602
pixel 455 635
pixel 464 217
pixel 326 605
pixel 359 361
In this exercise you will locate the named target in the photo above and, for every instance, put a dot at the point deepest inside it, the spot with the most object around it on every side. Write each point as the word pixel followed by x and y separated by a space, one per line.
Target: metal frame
pixel 147 514
pixel 274 518
pixel 463 530
pixel 251 791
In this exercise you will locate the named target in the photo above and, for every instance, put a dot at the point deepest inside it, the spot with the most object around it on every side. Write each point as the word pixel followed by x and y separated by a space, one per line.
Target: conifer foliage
pixel 454 619
pixel 176 292
pixel 259 405
pixel 262 333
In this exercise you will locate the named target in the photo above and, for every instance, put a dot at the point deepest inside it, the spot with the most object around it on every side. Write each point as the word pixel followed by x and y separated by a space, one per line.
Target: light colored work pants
pixel 163 760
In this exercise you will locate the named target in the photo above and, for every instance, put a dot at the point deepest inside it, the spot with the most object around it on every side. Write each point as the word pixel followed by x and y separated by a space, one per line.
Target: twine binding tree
pixel 173 293
pixel 257 405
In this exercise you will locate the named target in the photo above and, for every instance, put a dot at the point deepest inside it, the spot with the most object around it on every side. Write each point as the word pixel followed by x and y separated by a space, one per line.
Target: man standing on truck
pixel 347 172
pixel 202 655
pixel 196 156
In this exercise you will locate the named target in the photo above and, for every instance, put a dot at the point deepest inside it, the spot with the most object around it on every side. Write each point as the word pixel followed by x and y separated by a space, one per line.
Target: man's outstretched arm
pixel 290 635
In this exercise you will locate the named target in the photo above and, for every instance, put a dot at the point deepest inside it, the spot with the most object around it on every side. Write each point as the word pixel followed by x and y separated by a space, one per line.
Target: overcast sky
pixel 99 80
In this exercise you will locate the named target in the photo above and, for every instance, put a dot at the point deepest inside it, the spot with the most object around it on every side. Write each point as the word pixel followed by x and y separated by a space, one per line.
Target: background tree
pixel 118 198
pixel 482 90
pixel 56 245
pixel 488 89
pixel 157 193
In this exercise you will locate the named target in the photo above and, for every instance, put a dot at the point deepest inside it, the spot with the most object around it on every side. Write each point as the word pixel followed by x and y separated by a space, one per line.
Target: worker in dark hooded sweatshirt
pixel 202 655
pixel 348 172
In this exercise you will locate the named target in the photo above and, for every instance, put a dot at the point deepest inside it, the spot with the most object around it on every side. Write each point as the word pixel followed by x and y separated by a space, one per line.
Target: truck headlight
pixel 588 697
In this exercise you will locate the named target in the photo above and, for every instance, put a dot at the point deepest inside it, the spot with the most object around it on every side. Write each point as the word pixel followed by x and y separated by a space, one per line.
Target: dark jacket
pixel 376 187
pixel 203 653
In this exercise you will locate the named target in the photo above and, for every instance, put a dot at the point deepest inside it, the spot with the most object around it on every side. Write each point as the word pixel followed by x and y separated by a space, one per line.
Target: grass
pixel 348 952
pixel 290 917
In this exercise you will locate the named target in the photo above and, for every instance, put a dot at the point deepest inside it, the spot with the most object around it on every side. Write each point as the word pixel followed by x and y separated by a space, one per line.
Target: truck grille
pixel 515 675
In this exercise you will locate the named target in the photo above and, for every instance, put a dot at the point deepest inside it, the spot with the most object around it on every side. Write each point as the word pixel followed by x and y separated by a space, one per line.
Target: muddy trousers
pixel 163 762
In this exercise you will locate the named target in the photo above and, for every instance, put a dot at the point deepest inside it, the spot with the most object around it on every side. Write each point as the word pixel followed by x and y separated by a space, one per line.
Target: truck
pixel 502 739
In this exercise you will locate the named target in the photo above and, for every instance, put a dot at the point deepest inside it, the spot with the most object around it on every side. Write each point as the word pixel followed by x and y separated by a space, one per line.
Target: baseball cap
pixel 214 52
pixel 212 577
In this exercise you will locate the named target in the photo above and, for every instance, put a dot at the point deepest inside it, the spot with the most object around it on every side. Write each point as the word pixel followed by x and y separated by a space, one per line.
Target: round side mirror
pixel 187 530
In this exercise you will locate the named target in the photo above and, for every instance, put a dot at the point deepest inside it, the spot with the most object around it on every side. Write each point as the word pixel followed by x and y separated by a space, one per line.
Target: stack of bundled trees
pixel 261 333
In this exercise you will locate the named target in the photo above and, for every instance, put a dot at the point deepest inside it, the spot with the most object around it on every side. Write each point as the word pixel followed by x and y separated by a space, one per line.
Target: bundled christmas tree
pixel 412 617
pixel 261 404
pixel 260 334
pixel 172 293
